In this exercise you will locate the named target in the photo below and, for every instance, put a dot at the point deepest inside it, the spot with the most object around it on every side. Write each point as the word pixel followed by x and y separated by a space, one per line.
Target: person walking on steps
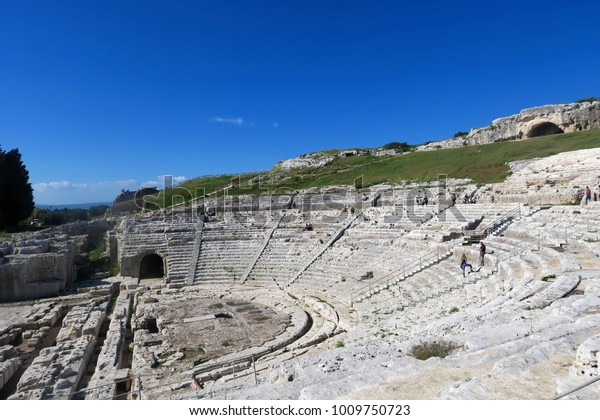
pixel 464 264
pixel 482 253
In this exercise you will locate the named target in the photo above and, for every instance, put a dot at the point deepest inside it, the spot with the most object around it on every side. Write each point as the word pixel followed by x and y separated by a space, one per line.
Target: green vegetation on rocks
pixel 482 163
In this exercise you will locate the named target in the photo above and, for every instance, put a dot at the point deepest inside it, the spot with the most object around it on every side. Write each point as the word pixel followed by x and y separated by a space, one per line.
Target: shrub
pixel 396 145
pixel 460 134
pixel 114 269
pixel 438 348
pixel 97 211
pixel 340 344
pixel 590 99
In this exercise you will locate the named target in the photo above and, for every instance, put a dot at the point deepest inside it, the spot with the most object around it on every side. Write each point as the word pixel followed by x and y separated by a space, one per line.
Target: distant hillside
pixel 85 206
pixel 482 163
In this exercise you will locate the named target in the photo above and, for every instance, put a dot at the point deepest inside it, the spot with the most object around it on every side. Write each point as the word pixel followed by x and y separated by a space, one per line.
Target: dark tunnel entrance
pixel 544 129
pixel 152 267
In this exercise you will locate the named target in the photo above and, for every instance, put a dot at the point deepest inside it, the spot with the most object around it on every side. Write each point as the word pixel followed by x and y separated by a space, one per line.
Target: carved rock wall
pixel 531 122
pixel 36 276
pixel 43 264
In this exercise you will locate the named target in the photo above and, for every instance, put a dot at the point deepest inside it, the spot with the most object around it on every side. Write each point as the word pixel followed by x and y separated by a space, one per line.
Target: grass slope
pixel 482 163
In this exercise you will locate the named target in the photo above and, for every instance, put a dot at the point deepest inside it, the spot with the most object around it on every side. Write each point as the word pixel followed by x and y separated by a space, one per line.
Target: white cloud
pixel 52 185
pixel 161 181
pixel 234 121
pixel 68 185
pixel 179 179
pixel 68 192
pixel 152 184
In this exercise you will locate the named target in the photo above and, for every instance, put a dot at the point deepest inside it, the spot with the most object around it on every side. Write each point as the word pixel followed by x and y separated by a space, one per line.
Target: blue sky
pixel 104 95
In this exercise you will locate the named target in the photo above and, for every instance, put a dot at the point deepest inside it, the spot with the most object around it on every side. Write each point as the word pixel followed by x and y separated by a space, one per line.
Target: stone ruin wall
pixel 45 264
pixel 567 117
pixel 36 277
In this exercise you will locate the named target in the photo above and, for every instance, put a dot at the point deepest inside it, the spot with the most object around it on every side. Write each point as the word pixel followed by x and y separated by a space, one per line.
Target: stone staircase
pixel 337 235
pixel 261 250
pixel 494 227
pixel 182 252
pixel 287 249
pixel 226 249
pixel 402 274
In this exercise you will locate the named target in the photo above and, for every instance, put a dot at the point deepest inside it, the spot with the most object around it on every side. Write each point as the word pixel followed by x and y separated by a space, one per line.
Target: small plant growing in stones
pixel 548 277
pixel 453 310
pixel 340 344
pixel 385 333
pixel 437 348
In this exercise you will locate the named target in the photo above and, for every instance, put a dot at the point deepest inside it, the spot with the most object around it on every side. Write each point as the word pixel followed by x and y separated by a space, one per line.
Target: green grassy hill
pixel 483 164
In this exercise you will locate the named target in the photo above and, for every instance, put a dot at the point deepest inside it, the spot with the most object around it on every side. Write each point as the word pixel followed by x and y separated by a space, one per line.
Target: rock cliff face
pixel 43 264
pixel 312 160
pixel 531 122
pixel 37 273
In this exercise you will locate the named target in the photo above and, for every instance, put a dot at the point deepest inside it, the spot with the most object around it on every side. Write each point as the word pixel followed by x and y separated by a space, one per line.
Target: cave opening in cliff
pixel 151 267
pixel 544 129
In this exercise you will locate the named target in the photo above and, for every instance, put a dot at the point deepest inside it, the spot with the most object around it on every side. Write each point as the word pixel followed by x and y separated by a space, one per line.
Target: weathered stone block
pixel 588 357
pixel 6 352
pixel 93 323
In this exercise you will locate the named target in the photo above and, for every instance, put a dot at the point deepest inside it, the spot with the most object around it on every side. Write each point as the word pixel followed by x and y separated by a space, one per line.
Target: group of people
pixel 464 263
pixel 466 199
pixel 469 199
pixel 588 194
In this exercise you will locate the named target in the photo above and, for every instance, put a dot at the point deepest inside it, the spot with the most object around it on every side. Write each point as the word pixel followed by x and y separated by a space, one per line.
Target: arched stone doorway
pixel 544 129
pixel 152 267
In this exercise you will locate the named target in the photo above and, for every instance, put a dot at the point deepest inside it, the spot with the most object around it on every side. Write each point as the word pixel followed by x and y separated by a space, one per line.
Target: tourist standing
pixel 482 253
pixel 588 195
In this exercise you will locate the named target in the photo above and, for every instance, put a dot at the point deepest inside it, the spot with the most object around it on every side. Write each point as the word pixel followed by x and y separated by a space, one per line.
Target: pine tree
pixel 16 194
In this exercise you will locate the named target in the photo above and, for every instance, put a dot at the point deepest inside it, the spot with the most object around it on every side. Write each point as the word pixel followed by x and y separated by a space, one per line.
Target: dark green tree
pixel 396 145
pixel 96 211
pixel 16 194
